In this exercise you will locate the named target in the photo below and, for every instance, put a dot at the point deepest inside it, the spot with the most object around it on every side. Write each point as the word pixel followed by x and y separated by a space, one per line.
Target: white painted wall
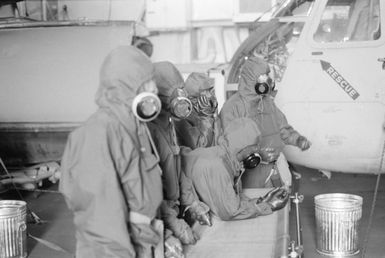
pixel 212 10
pixel 167 14
pixel 102 9
pixel 172 46
pixel 196 31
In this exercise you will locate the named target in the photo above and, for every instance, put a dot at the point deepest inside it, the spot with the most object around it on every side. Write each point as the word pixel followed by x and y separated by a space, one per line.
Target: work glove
pixel 179 227
pixel 144 238
pixel 182 231
pixel 268 154
pixel 173 248
pixel 303 143
pixel 263 208
pixel 277 198
pixel 199 211
pixel 268 195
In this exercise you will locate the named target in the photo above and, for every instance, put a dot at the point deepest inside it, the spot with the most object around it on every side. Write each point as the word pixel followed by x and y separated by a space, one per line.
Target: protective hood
pixel 197 82
pixel 251 70
pixel 122 73
pixel 240 133
pixel 167 79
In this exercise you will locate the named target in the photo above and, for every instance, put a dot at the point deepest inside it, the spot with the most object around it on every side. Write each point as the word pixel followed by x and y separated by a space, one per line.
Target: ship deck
pixel 59 229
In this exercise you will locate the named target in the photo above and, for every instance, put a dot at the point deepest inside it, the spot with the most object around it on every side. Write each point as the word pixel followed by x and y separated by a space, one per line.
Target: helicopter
pixel 326 57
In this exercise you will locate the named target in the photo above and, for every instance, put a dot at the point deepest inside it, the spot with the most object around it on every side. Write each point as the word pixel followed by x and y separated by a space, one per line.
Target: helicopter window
pixel 349 20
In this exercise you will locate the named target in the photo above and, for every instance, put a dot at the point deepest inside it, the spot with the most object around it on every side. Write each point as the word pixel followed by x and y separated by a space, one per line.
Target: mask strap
pixel 174 139
pixel 140 124
pixel 153 146
pixel 260 107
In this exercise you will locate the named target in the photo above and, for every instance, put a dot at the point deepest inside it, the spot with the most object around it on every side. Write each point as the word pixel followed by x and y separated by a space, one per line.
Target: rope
pixel 366 239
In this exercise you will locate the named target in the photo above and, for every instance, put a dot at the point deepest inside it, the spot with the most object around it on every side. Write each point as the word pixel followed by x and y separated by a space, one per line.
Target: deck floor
pixel 313 183
pixel 59 228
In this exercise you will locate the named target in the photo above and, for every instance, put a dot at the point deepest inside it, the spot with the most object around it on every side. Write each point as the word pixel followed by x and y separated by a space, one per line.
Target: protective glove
pixel 182 231
pixel 173 248
pixel 303 143
pixel 199 211
pixel 144 233
pixel 144 238
pixel 277 198
pixel 268 195
pixel 263 208
pixel 268 154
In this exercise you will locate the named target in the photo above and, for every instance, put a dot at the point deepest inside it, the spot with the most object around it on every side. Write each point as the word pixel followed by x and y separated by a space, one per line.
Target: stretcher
pixel 264 236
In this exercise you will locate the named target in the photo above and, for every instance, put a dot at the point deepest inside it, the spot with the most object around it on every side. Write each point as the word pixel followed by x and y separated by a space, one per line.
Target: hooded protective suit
pixel 162 129
pixel 177 188
pixel 199 129
pixel 110 176
pixel 273 125
pixel 215 172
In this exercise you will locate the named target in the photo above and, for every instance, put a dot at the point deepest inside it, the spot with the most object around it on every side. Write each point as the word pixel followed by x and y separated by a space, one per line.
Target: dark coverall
pixel 110 176
pixel 215 172
pixel 273 125
pixel 177 188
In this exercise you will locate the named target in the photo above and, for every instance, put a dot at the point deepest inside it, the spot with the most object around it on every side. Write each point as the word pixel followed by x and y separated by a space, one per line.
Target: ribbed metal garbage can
pixel 337 223
pixel 13 229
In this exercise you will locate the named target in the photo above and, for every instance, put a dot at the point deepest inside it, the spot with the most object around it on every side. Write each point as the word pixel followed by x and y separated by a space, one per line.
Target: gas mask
pixel 206 104
pixel 252 160
pixel 264 85
pixel 146 106
pixel 180 106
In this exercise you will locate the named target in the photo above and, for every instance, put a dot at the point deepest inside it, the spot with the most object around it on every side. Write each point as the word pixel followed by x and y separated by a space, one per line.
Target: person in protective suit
pixel 202 127
pixel 144 44
pixel 110 177
pixel 254 100
pixel 216 172
pixel 177 188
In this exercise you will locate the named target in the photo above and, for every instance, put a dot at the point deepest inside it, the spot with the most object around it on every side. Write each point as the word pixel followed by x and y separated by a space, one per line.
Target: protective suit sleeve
pixel 207 128
pixel 234 108
pixel 216 188
pixel 127 162
pixel 226 116
pixel 288 135
pixel 187 191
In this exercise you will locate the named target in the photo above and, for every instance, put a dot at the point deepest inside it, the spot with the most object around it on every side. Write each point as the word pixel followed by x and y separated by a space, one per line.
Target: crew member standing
pixel 110 174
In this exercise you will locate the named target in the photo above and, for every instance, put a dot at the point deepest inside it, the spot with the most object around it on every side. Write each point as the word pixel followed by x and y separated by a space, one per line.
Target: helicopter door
pixel 338 74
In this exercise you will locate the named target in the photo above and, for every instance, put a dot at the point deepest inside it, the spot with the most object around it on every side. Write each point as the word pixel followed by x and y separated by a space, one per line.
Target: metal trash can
pixel 13 229
pixel 337 221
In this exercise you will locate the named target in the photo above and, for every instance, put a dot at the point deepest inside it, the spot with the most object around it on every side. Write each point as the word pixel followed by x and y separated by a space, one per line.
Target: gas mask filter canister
pixel 206 104
pixel 146 106
pixel 180 105
pixel 252 160
pixel 264 85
